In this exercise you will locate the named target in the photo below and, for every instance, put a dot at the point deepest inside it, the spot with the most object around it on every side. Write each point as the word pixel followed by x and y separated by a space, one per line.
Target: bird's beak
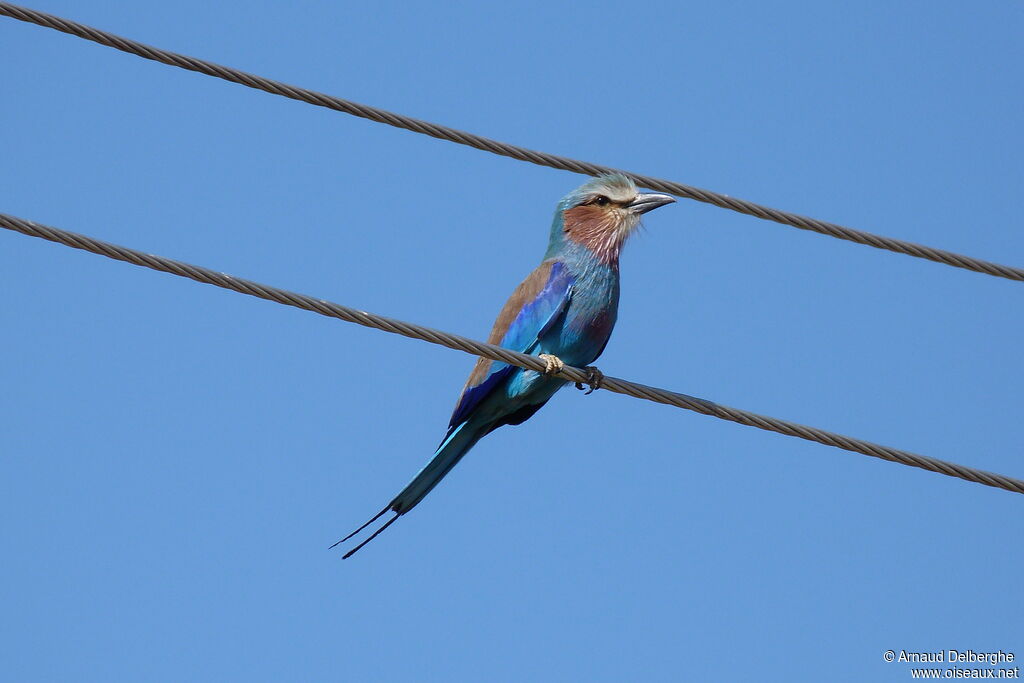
pixel 649 202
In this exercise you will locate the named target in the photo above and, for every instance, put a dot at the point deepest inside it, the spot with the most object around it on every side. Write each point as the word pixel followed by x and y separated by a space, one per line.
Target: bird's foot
pixel 594 379
pixel 552 364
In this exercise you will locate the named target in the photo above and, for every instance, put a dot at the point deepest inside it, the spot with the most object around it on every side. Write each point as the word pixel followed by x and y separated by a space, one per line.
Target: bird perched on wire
pixel 563 312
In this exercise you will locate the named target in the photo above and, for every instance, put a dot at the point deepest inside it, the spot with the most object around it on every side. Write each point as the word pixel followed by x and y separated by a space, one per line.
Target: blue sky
pixel 177 458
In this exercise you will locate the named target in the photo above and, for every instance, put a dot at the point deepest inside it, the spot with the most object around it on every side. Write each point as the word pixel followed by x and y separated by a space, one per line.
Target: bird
pixel 563 312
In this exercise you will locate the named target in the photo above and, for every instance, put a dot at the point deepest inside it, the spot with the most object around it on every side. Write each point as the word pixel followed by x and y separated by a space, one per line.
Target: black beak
pixel 649 202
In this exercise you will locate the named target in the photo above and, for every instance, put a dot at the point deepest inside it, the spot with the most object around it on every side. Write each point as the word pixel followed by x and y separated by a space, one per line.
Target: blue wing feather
pixel 472 396
pixel 535 318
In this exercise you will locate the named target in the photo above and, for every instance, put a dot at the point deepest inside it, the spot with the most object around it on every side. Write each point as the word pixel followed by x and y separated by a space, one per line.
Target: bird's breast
pixel 589 318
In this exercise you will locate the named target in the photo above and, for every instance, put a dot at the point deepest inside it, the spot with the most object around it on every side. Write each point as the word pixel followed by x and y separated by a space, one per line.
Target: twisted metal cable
pixel 540 158
pixel 454 341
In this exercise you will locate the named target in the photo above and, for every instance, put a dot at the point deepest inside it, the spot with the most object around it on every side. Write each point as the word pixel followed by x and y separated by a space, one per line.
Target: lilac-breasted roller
pixel 564 312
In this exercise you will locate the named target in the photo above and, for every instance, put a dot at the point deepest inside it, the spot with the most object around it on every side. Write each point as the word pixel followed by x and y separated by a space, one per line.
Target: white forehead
pixel 616 187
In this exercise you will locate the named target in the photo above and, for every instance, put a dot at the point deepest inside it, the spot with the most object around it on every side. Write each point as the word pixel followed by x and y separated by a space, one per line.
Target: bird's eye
pixel 601 200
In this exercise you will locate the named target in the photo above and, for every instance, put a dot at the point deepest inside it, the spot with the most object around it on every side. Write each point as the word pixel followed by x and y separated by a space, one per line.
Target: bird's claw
pixel 594 379
pixel 552 364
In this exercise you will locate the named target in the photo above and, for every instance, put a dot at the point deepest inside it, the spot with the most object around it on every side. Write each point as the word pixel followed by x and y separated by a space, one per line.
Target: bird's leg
pixel 552 364
pixel 594 379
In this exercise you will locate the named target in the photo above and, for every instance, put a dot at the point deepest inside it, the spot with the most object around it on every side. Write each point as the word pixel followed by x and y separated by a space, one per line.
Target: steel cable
pixel 479 142
pixel 454 341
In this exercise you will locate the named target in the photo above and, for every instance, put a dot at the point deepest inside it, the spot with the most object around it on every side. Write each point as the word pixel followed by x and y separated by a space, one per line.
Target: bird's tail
pixel 456 444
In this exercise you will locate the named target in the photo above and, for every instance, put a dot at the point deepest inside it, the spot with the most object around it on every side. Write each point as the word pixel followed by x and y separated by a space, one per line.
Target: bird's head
pixel 601 214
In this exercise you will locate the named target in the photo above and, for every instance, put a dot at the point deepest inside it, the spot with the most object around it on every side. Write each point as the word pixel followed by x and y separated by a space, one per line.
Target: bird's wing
pixel 529 313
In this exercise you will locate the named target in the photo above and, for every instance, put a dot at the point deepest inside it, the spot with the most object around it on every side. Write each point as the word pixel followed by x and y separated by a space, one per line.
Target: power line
pixel 541 158
pixel 498 353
